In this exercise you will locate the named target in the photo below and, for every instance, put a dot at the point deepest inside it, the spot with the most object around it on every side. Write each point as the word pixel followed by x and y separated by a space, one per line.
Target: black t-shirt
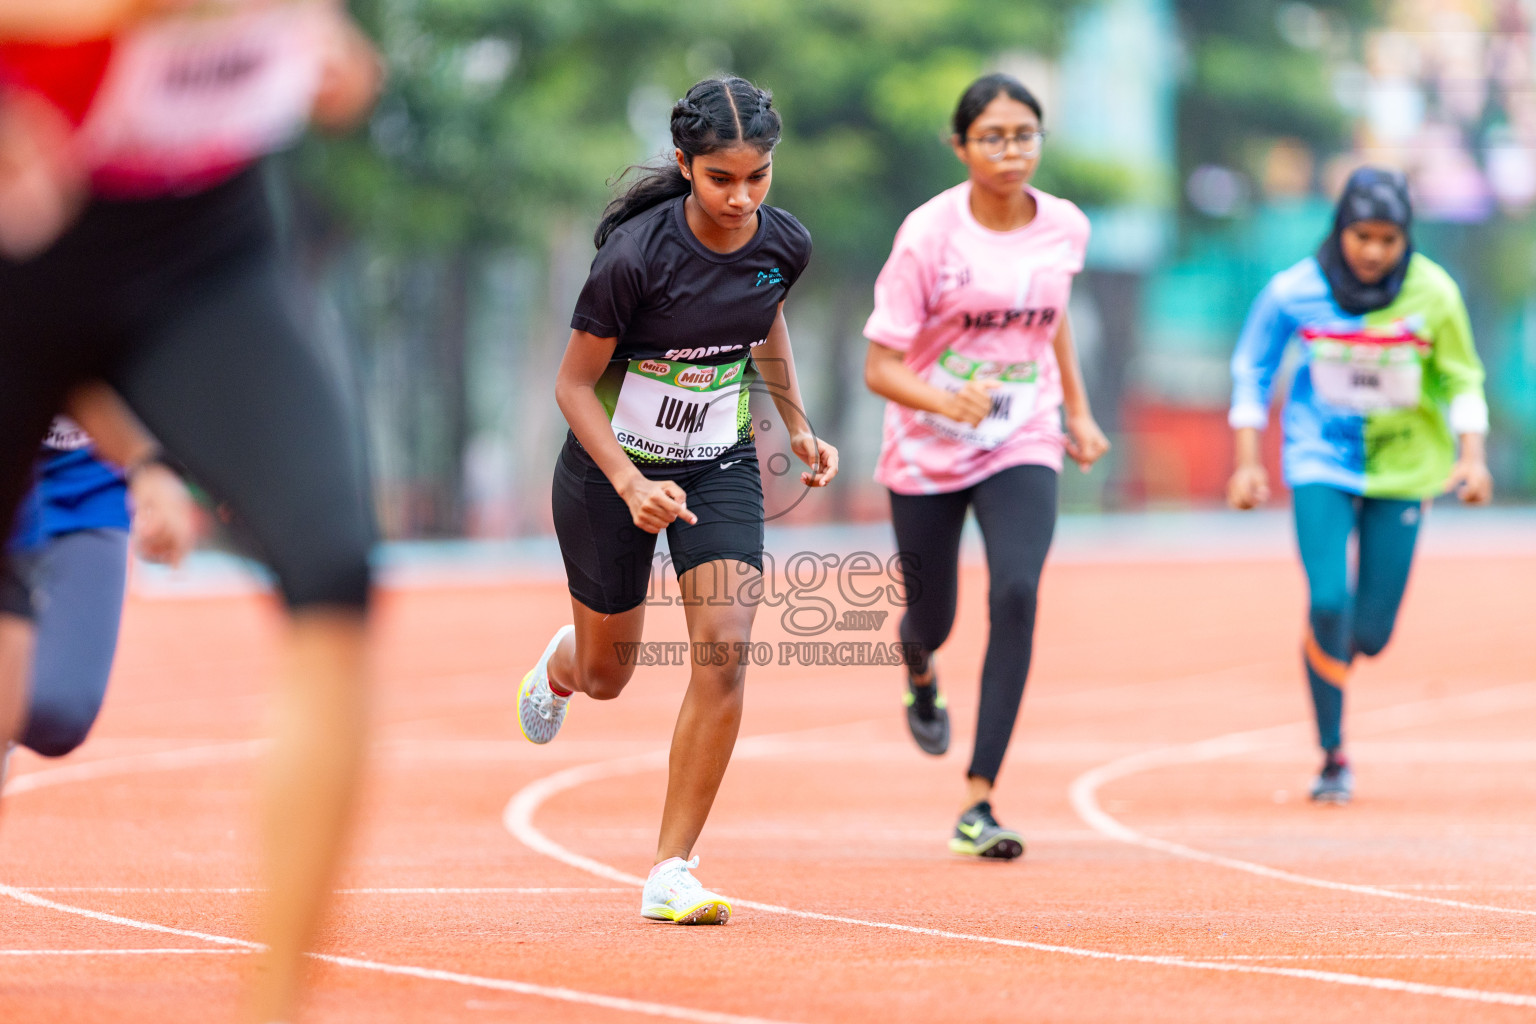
pixel 667 297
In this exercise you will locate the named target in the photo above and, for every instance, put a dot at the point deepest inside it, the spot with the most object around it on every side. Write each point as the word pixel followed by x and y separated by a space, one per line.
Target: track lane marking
pixel 243 891
pixel 525 803
pixel 407 970
pixel 1084 790
pixel 171 760
pixel 125 952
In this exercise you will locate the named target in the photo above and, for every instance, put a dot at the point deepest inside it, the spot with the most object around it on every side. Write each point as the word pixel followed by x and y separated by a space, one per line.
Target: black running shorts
pixel 185 306
pixel 608 558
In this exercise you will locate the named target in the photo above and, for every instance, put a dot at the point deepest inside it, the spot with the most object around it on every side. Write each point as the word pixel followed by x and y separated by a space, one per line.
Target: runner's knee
pixel 1371 635
pixel 604 678
pixel 927 631
pixel 1013 599
pixel 59 721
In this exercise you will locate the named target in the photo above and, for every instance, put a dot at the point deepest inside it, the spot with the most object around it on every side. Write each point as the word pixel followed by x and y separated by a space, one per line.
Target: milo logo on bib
pixel 1367 370
pixel 1013 401
pixel 697 377
pixel 680 412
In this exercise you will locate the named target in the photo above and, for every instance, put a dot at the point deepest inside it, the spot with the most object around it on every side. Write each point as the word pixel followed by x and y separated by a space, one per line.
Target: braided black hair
pixel 714 114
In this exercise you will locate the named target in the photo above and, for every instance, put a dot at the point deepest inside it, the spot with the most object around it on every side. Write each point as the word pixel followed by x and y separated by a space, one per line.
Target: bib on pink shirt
pixel 965 302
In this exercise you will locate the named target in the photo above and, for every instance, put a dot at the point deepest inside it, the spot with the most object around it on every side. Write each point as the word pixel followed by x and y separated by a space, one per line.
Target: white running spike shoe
pixel 540 710
pixel 673 894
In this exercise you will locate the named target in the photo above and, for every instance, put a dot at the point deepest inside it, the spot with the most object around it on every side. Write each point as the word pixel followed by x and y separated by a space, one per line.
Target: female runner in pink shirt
pixel 969 341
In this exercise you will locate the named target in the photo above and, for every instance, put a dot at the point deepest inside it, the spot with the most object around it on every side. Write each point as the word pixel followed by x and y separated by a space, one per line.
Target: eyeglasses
pixel 995 144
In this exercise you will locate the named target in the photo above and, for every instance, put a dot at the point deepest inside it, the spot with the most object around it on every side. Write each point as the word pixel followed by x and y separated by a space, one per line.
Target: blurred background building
pixel 1205 139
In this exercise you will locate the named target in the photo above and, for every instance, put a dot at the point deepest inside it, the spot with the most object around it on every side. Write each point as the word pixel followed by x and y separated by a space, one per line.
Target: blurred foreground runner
pixel 140 250
pixel 61 588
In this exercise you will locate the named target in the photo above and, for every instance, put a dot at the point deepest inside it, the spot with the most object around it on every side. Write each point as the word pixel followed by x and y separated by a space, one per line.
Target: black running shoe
pixel 977 834
pixel 1335 783
pixel 927 716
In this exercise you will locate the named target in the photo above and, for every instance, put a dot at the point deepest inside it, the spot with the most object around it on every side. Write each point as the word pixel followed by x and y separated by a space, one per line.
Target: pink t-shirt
pixel 965 302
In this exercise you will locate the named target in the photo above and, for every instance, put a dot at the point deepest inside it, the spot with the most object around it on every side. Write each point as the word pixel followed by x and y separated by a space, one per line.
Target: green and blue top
pixel 1376 400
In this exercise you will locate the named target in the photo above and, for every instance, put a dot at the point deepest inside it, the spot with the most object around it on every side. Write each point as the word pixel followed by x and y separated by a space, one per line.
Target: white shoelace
pixel 546 701
pixel 677 876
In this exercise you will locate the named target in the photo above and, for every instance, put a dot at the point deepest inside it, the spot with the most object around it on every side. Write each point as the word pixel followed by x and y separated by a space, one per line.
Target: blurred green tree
pixel 1258 72
pixel 506 121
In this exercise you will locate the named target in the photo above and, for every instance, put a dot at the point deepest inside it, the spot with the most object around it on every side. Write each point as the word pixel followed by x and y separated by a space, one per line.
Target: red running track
pixel 1175 872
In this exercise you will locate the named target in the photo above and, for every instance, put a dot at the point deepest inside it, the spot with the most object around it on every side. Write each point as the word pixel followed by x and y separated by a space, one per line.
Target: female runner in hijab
pixel 1385 411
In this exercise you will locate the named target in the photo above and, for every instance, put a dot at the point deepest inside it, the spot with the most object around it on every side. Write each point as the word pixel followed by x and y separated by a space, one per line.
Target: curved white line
pixel 568 995
pixel 123 952
pixel 1084 790
pixel 491 890
pixel 427 973
pixel 127 922
pixel 197 756
pixel 158 761
pixel 520 810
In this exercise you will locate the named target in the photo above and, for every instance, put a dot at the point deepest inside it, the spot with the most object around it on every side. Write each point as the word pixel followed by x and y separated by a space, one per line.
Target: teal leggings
pixel 1349 620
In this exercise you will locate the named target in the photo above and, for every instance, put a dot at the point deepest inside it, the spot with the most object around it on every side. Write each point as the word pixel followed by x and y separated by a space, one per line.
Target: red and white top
pixel 179 102
pixel 964 302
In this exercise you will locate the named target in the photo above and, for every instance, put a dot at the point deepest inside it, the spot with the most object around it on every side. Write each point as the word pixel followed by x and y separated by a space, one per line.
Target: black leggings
pixel 183 305
pixel 1016 510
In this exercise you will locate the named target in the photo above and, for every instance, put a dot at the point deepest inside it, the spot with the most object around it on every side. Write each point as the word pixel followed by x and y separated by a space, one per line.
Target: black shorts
pixel 185 305
pixel 15 585
pixel 608 558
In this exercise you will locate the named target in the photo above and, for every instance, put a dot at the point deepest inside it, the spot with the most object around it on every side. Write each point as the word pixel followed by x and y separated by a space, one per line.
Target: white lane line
pixel 567 995
pixel 423 891
pixel 127 922
pixel 197 756
pixel 525 803
pixel 427 974
pixel 1433 887
pixel 1469 957
pixel 430 974
pixel 1084 791
pixel 833 837
pixel 488 890
pixel 158 761
pixel 124 952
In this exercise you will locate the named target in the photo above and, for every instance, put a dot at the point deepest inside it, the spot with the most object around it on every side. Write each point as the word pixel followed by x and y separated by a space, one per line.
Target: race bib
pixel 1366 372
pixel 65 435
pixel 1013 401
pixel 669 411
pixel 209 88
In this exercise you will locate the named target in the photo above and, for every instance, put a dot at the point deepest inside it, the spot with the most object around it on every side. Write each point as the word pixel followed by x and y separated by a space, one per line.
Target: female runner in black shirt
pixel 681 311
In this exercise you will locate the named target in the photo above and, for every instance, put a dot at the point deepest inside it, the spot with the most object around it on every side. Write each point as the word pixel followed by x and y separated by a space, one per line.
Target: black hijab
pixel 1370 194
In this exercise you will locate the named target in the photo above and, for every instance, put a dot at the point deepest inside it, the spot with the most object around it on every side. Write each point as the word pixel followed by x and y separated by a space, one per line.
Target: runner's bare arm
pixel 1249 486
pixel 1086 443
pixel 887 374
pixel 116 433
pixel 1470 479
pixel 66 21
pixel 775 361
pixel 352 77
pixel 165 519
pixel 653 504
